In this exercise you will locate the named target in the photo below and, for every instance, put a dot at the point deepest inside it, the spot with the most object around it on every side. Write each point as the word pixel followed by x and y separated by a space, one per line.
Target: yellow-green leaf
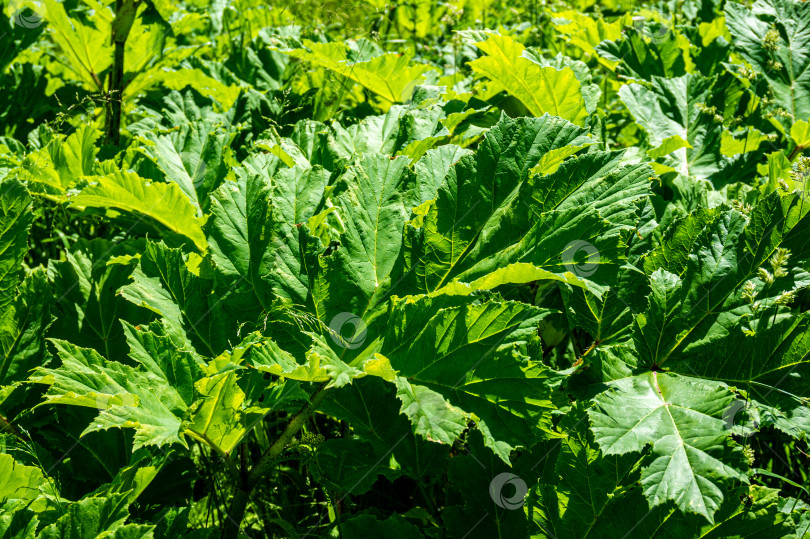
pixel 731 146
pixel 221 420
pixel 552 160
pixel 163 202
pixel 541 89
pixel 667 146
pixel 800 133
pixel 391 76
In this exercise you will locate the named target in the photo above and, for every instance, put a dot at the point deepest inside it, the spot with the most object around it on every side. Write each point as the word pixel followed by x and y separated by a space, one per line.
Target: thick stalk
pixel 114 91
pixel 125 11
pixel 236 512
pixel 292 428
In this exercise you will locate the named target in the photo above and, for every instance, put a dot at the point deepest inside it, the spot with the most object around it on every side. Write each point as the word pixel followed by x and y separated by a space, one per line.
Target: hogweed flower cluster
pixel 749 454
pixel 705 109
pixel 749 292
pixel 774 65
pixel 785 298
pixel 778 268
pixel 765 276
pixel 308 442
pixel 771 41
pixel 742 207
pixel 778 262
pixel 778 112
pixel 800 174
pixel 746 72
pixel 452 16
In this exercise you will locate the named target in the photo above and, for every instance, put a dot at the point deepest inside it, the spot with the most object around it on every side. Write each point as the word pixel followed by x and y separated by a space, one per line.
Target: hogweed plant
pixel 486 270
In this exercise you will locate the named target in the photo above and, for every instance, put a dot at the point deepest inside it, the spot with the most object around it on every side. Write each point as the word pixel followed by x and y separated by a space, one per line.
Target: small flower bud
pixel 749 291
pixel 765 276
pixel 775 65
pixel 771 40
pixel 749 455
pixel 785 298
pixel 779 261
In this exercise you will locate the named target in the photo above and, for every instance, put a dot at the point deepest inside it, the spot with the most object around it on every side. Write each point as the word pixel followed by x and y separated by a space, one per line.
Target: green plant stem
pixel 115 91
pixel 236 511
pixel 6 424
pixel 125 12
pixel 426 497
pixel 796 151
pixel 235 514
pixel 292 428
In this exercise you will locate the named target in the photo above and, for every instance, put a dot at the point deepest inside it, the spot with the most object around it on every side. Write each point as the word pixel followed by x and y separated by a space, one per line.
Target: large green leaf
pixel 22 330
pixel 163 202
pixel 15 220
pixel 17 521
pixel 590 91
pixel 388 75
pixel 62 163
pixel 165 356
pixel 569 226
pixel 476 358
pixel 253 237
pixel 663 53
pixel 609 318
pixel 695 310
pixel 269 357
pixel 96 517
pixel 492 224
pixel 747 511
pixel 78 42
pixel 670 108
pixel 543 90
pixel 87 307
pixel 672 244
pixel 180 289
pixel 222 419
pixel 195 157
pixel 772 365
pixel 125 397
pixel 782 58
pixel 374 198
pixel 19 482
pixel 683 421
pixel 586 484
pixel 24 313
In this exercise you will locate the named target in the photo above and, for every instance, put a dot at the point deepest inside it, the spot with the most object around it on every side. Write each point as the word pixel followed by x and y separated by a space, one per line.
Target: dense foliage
pixel 453 269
